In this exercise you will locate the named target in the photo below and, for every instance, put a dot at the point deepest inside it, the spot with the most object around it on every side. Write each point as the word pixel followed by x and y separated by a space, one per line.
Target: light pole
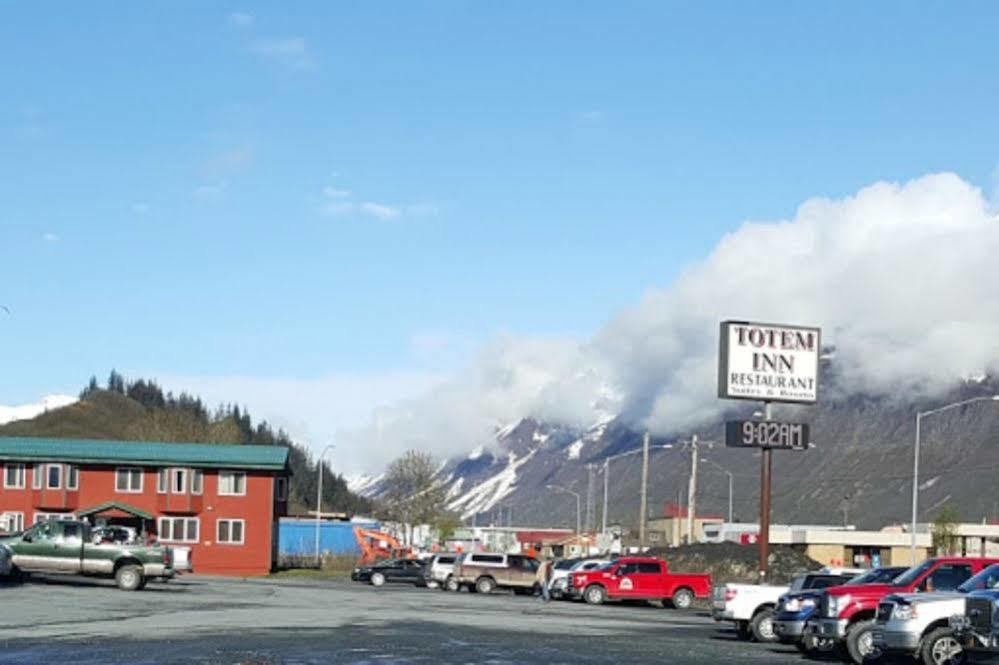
pixel 729 474
pixel 607 461
pixel 915 459
pixel 319 498
pixel 559 488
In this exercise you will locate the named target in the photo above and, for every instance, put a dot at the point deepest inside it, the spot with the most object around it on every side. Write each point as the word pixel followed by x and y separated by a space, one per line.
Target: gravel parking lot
pixel 213 620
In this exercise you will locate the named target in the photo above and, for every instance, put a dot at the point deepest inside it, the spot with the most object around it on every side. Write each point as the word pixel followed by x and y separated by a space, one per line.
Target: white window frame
pixel 48 470
pixel 129 470
pixel 183 480
pixel 173 521
pixel 233 475
pixel 230 522
pixel 198 474
pixel 72 473
pixel 40 517
pixel 281 488
pixel 18 483
pixel 162 480
pixel 18 519
pixel 37 471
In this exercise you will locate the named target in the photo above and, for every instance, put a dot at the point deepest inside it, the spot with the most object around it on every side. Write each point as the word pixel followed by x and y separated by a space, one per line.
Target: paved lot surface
pixel 211 620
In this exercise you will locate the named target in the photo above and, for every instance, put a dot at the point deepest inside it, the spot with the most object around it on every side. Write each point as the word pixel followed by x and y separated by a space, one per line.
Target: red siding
pixel 257 508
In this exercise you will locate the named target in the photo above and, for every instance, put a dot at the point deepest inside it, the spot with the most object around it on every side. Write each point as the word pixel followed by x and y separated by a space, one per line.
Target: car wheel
pixel 742 630
pixel 682 599
pixel 762 626
pixel 595 594
pixel 451 584
pixel 485 585
pixel 129 578
pixel 940 647
pixel 377 579
pixel 860 643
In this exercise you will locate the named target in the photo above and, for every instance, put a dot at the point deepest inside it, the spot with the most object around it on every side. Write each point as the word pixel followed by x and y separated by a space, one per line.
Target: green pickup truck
pixel 66 547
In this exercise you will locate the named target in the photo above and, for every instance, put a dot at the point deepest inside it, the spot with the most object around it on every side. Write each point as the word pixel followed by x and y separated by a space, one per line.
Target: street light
pixel 915 459
pixel 729 474
pixel 319 498
pixel 607 461
pixel 559 488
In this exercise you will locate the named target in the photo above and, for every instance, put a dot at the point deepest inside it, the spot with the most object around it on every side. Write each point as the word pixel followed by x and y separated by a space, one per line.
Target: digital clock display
pixel 766 434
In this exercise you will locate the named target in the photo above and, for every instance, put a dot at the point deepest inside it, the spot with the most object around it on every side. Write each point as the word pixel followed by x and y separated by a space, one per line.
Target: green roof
pixel 94 451
pixel 115 505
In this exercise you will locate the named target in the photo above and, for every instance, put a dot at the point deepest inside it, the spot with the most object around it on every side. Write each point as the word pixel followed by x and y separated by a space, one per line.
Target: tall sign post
pixel 768 362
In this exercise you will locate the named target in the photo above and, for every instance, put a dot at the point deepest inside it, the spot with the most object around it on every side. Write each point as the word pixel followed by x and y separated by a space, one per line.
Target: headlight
pixel 792 605
pixel 837 604
pixel 904 612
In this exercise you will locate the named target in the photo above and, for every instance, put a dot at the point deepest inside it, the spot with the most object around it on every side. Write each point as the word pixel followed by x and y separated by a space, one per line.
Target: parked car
pixel 848 612
pixel 976 626
pixel 919 624
pixel 751 607
pixel 559 584
pixel 640 578
pixel 406 571
pixel 439 568
pixel 66 546
pixel 484 572
pixel 795 612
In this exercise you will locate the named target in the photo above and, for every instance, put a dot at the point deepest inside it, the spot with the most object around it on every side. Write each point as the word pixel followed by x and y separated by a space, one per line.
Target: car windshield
pixel 910 576
pixel 798 583
pixel 986 579
pixel 565 564
pixel 877 576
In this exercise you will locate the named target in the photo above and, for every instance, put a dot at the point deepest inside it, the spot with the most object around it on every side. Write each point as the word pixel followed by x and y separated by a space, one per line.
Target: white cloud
pixel 901 278
pixel 210 190
pixel 334 193
pixel 292 52
pixel 379 210
pixel 335 202
pixel 241 19
pixel 51 237
pixel 28 411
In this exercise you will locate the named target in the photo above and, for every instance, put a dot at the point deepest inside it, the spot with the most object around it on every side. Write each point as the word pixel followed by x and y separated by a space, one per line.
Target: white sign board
pixel 768 362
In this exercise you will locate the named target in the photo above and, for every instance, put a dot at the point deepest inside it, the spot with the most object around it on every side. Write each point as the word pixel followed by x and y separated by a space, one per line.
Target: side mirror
pixel 26 539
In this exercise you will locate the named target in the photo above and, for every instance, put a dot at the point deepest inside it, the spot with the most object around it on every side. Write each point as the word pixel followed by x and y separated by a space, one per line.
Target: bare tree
pixel 413 492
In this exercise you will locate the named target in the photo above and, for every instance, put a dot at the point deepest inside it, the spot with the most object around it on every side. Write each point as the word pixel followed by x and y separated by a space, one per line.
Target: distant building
pixel 670 530
pixel 220 502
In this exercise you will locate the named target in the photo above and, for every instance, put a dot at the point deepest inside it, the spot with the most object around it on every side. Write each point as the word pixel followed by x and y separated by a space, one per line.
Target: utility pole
pixel 590 490
pixel 319 499
pixel 692 491
pixel 765 468
pixel 603 525
pixel 643 509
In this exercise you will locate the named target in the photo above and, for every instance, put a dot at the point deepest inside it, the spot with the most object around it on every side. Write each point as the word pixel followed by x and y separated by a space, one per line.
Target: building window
pixel 178 481
pixel 230 532
pixel 179 529
pixel 72 477
pixel 162 480
pixel 48 517
pixel 13 476
pixel 128 479
pixel 281 488
pixel 36 476
pixel 11 522
pixel 53 477
pixel 197 481
pixel 232 483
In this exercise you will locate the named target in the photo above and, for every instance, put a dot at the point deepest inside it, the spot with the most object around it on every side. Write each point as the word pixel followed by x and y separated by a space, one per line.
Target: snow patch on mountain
pixel 540 438
pixel 575 448
pixel 364 484
pixel 477 453
pixel 28 411
pixel 487 494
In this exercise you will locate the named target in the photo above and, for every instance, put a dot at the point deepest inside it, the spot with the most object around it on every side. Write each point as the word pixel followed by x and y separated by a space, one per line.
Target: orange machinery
pixel 377 545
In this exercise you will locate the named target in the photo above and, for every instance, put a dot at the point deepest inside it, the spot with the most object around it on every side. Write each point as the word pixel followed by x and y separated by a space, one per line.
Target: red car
pixel 847 613
pixel 639 578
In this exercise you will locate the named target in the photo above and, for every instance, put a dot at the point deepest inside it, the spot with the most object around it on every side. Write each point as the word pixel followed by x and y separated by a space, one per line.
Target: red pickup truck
pixel 639 578
pixel 847 613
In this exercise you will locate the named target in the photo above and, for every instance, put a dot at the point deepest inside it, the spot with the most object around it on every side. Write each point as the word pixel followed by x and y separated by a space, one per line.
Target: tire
pixel 859 643
pixel 595 594
pixel 485 585
pixel 451 584
pixel 941 648
pixel 129 578
pixel 762 626
pixel 377 579
pixel 682 599
pixel 742 630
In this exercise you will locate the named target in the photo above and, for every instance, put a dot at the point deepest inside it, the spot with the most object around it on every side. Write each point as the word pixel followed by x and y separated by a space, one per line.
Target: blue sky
pixel 223 194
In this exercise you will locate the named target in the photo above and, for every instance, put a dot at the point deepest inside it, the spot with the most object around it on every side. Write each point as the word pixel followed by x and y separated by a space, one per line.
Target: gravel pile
pixel 730 562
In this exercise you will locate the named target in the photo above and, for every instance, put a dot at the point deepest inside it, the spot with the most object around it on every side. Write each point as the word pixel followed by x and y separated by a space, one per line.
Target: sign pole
pixel 763 540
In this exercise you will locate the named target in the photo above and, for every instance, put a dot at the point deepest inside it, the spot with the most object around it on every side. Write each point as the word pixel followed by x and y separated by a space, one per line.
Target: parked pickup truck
pixel 847 613
pixel 639 578
pixel 976 625
pixel 793 620
pixel 752 607
pixel 919 624
pixel 66 547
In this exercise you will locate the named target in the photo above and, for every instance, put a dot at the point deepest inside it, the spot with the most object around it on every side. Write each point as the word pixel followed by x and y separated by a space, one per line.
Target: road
pixel 257 622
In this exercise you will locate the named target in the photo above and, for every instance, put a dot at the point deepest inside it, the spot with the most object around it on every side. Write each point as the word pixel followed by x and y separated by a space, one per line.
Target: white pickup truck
pixel 917 624
pixel 751 606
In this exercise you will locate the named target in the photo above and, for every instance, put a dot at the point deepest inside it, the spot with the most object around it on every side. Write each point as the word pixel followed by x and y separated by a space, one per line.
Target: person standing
pixel 543 578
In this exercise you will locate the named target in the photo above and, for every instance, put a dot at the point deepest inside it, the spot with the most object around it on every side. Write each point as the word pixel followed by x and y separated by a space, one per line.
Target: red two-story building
pixel 221 501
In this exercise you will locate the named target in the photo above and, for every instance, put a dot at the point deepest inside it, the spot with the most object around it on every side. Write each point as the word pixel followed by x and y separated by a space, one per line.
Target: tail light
pixel 730 594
